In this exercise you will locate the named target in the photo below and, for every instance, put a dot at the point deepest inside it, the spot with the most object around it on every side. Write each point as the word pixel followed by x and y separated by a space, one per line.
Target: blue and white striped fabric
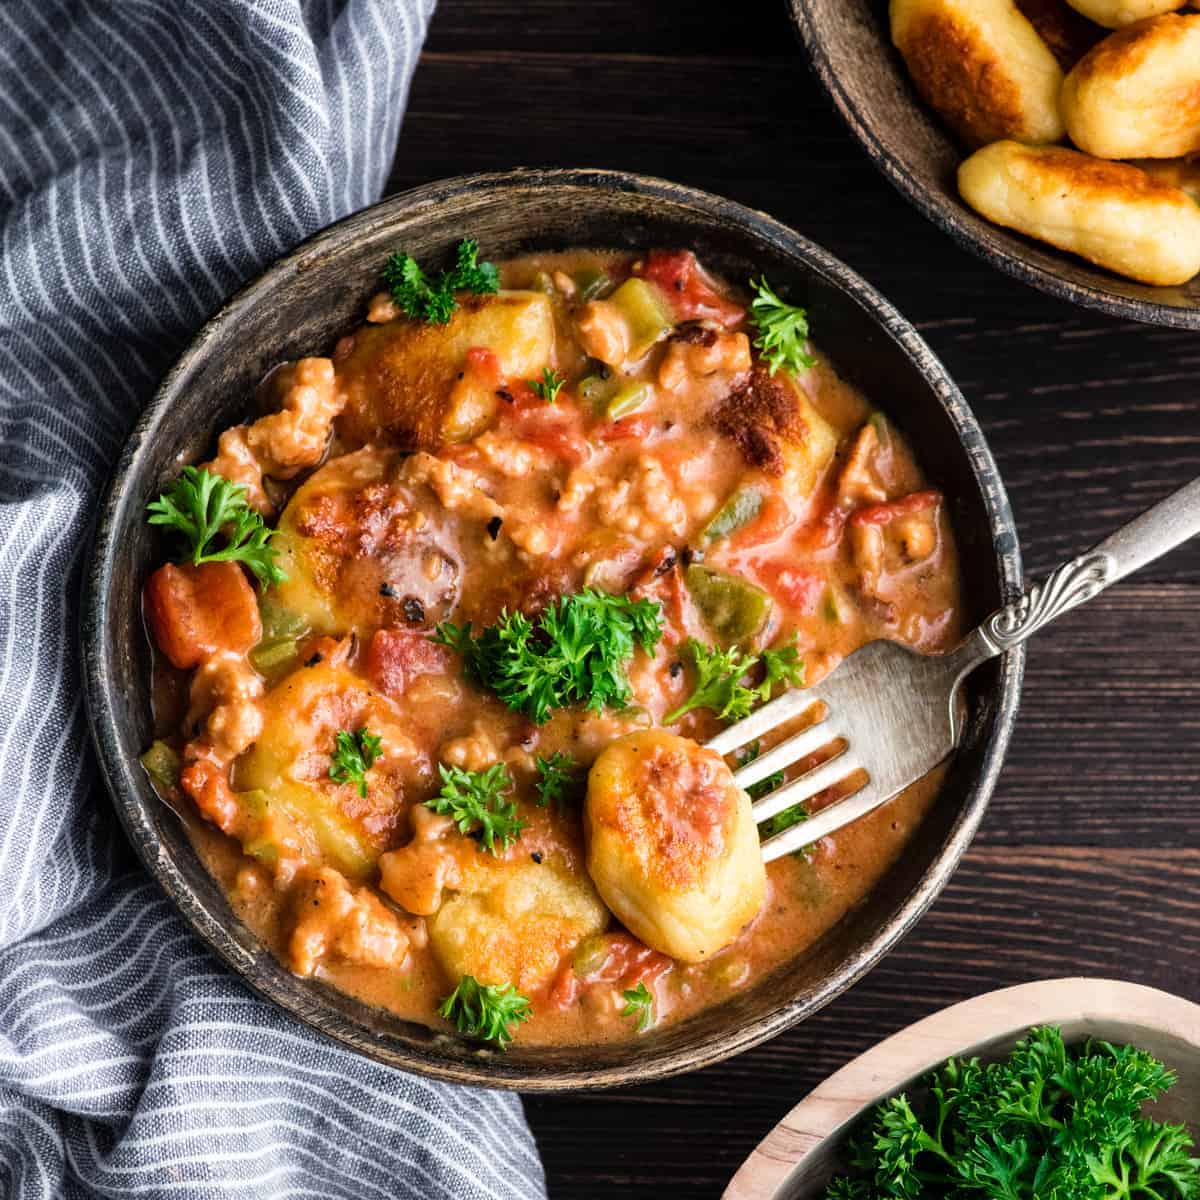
pixel 154 154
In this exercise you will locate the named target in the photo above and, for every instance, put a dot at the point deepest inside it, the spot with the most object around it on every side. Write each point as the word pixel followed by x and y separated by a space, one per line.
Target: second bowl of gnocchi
pixel 1056 138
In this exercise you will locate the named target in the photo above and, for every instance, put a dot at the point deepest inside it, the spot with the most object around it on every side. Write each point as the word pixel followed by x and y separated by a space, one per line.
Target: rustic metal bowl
pixel 852 53
pixel 301 305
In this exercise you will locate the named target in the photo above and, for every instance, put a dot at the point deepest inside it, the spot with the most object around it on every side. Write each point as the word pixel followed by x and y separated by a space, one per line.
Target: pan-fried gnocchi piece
pixel 517 928
pixel 1115 14
pixel 982 65
pixel 1177 172
pixel 1137 94
pixel 672 844
pixel 1110 213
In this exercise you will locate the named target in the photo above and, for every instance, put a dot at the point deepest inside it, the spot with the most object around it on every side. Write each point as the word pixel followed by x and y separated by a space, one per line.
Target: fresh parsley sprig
pixel 203 506
pixel 550 384
pixel 1050 1122
pixel 764 786
pixel 354 754
pixel 477 802
pixel 433 300
pixel 782 330
pixel 639 1004
pixel 486 1011
pixel 719 676
pixel 558 777
pixel 575 653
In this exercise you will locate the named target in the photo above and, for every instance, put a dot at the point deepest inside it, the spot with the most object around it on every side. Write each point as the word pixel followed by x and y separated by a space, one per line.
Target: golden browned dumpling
pixel 1110 213
pixel 982 65
pixel 1113 14
pixel 411 384
pixel 1137 94
pixel 518 925
pixel 672 845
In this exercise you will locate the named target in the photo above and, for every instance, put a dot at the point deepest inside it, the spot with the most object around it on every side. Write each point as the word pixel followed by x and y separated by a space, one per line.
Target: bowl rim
pixel 485 1068
pixel 978 1025
pixel 947 214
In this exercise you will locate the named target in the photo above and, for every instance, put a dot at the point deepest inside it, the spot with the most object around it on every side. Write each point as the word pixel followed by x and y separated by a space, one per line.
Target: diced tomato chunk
pixel 208 786
pixel 483 363
pixel 799 588
pixel 772 522
pixel 637 427
pixel 196 611
pixel 396 657
pixel 882 514
pixel 680 275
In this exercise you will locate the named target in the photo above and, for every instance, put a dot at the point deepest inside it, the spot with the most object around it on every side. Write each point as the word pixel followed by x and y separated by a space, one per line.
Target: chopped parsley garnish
pixel 764 786
pixel 433 300
pixel 574 653
pixel 719 675
pixel 550 384
pixel 557 779
pixel 1049 1122
pixel 202 506
pixel 476 801
pixel 639 1004
pixel 354 755
pixel 486 1011
pixel 782 330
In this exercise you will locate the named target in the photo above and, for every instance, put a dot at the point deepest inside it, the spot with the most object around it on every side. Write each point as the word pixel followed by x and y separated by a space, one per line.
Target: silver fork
pixel 895 714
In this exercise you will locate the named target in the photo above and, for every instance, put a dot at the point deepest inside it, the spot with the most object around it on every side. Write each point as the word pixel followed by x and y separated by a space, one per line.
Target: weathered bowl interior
pixel 300 306
pixel 796 1159
pixel 852 54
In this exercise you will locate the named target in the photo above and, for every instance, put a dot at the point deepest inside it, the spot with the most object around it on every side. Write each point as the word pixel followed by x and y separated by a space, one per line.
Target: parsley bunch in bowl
pixel 573 653
pixel 1050 1122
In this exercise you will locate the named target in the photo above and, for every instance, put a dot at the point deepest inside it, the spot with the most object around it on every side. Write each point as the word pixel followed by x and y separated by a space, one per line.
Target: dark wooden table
pixel 1089 858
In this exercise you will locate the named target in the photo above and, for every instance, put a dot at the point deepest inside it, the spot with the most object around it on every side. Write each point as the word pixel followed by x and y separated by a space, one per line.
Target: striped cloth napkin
pixel 155 154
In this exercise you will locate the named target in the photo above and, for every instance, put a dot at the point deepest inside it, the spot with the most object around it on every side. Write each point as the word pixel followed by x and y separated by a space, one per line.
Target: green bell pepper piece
pixel 732 607
pixel 646 312
pixel 628 398
pixel 740 509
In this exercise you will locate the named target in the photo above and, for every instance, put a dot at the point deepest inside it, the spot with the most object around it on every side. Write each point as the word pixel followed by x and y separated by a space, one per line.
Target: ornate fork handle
pixel 1072 584
pixel 1159 529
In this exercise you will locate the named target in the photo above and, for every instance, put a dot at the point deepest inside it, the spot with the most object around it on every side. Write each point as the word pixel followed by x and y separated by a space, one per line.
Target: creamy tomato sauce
pixel 416 477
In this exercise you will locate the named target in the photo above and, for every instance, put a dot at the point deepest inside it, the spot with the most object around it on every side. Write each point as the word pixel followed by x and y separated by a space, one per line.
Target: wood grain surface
pixel 1089 859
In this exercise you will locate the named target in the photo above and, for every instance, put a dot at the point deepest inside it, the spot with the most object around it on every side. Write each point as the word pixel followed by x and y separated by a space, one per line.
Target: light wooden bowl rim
pixel 1076 1004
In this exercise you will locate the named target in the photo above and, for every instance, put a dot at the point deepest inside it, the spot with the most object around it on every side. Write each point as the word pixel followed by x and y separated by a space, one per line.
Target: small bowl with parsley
pixel 468 489
pixel 1100 1100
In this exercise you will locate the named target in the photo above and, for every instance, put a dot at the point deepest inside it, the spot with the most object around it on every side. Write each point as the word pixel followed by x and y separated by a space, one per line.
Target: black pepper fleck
pixel 669 559
pixel 536 856
pixel 675 669
pixel 386 589
pixel 414 610
pixel 493 527
pixel 505 395
pixel 316 658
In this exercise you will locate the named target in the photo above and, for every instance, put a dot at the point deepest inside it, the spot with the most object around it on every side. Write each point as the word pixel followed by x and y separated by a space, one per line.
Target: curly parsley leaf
pixel 639 1004
pixel 575 653
pixel 550 384
pixel 1050 1122
pixel 486 1011
pixel 763 787
pixel 433 300
pixel 203 506
pixel 354 754
pixel 477 802
pixel 782 330
pixel 558 779
pixel 720 674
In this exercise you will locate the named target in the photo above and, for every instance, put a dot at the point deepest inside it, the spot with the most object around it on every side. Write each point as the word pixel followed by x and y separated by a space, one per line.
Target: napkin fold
pixel 154 155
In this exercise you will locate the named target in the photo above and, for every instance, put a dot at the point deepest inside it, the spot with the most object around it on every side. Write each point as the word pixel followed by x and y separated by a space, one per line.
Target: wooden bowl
pixel 301 305
pixel 852 53
pixel 795 1160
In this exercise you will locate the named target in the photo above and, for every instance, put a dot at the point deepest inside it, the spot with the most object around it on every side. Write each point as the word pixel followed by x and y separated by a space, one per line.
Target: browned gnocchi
pixel 982 65
pixel 1109 213
pixel 1137 94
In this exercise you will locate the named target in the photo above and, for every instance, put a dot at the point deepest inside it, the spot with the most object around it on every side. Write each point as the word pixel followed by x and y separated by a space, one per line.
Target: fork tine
pixel 828 820
pixel 790 704
pixel 787 752
pixel 833 770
